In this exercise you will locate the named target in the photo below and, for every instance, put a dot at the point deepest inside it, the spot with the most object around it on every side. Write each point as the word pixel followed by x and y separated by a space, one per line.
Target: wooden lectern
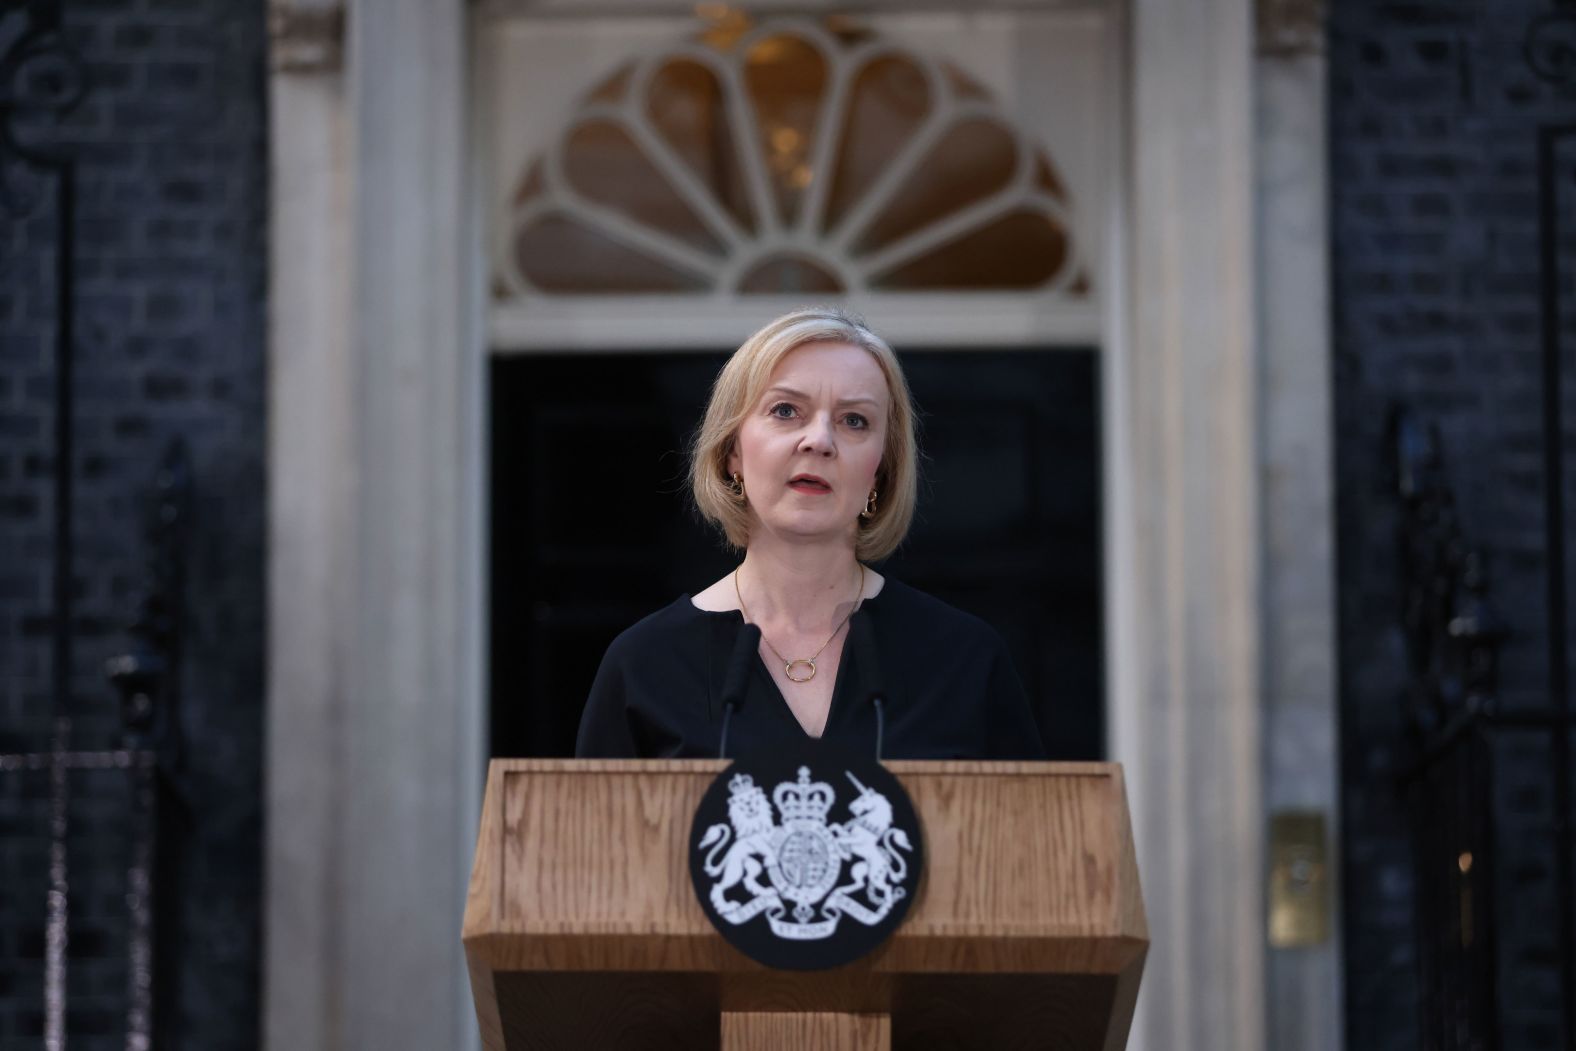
pixel 582 929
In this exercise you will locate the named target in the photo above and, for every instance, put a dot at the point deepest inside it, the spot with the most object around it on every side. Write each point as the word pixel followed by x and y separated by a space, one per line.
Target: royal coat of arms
pixel 801 872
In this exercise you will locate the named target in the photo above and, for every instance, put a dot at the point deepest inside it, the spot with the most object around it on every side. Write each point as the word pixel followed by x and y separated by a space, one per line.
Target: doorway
pixel 592 527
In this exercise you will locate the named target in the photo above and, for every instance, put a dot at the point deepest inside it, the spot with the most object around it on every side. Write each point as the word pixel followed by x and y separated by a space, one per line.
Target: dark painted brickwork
pixel 1434 113
pixel 170 241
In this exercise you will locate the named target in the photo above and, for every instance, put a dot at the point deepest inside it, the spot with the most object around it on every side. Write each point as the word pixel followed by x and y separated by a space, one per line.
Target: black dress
pixel 947 685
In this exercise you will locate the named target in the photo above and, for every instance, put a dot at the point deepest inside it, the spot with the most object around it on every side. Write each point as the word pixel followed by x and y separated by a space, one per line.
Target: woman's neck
pixel 801 586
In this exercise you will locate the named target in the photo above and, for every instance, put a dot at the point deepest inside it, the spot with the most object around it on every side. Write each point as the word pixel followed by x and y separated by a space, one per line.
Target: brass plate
pixel 1299 898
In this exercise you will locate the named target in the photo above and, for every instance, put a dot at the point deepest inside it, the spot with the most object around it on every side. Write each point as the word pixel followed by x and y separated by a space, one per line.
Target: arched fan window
pixel 791 158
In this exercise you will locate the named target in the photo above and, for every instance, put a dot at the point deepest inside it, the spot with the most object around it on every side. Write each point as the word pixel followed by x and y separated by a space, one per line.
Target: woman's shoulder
pixel 677 624
pixel 920 612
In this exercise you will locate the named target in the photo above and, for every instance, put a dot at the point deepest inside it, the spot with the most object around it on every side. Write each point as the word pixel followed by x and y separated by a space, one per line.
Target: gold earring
pixel 738 485
pixel 870 506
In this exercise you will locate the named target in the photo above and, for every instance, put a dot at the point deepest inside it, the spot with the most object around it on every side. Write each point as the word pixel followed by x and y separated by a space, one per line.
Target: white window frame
pixel 525 321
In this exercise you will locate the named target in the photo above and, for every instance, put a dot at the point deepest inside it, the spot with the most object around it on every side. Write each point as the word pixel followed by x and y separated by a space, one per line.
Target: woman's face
pixel 809 447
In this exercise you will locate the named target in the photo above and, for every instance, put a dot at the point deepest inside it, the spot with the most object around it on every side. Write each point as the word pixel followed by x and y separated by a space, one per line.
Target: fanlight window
pixel 794 158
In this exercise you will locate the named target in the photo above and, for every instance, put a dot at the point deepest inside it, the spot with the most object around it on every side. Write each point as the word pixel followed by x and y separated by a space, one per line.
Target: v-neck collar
pixel 845 657
pixel 725 628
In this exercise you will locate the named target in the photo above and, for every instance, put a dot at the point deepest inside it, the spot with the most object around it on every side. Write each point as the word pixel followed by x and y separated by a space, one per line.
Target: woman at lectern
pixel 806 461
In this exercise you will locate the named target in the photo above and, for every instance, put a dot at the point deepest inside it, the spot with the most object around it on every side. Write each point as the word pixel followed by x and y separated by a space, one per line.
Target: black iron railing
pixel 1452 648
pixel 1459 729
pixel 1459 724
pixel 42 80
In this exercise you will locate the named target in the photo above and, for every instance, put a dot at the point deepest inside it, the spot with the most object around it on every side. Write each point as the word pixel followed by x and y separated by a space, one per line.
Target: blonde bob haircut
pixel 739 386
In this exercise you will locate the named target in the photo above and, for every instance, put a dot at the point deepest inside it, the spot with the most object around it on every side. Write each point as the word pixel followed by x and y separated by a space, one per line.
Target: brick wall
pixel 1434 117
pixel 170 274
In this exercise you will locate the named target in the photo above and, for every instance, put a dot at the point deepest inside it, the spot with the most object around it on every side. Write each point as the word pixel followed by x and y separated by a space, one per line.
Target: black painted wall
pixel 170 284
pixel 1435 111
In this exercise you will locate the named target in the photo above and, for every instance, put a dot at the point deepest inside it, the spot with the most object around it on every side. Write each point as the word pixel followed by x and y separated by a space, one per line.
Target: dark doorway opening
pixel 592 527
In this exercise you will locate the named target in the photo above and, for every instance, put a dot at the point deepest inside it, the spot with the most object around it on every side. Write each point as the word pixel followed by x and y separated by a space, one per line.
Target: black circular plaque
pixel 806 857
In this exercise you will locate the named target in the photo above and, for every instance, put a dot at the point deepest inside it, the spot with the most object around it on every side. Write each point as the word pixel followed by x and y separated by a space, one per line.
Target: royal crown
pixel 805 801
pixel 740 784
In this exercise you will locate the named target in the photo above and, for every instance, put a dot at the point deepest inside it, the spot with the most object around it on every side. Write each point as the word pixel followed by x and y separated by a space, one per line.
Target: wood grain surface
pixel 753 1031
pixel 1002 1012
pixel 579 1010
pixel 1030 894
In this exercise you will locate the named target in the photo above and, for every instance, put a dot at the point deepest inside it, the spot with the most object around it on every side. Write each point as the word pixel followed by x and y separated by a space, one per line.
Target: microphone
pixel 736 685
pixel 870 664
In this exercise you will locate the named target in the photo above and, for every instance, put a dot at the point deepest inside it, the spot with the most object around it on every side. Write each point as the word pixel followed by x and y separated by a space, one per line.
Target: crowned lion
pixel 750 814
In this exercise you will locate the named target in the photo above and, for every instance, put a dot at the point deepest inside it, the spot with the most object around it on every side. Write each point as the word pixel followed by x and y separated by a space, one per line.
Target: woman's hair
pixel 740 384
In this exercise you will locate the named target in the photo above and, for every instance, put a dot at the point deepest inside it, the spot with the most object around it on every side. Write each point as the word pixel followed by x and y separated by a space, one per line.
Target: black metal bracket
pixel 1452 633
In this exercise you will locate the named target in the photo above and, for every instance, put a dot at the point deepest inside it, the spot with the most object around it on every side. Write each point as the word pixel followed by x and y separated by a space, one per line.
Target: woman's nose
pixel 819 436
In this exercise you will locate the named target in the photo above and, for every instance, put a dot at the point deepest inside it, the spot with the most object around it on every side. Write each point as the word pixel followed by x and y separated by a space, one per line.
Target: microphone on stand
pixel 736 685
pixel 870 664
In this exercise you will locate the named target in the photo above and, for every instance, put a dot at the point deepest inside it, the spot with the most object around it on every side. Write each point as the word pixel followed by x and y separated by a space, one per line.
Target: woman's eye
pixel 856 421
pixel 782 410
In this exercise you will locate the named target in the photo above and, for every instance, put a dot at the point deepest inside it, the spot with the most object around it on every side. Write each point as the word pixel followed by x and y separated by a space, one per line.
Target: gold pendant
pixel 788 670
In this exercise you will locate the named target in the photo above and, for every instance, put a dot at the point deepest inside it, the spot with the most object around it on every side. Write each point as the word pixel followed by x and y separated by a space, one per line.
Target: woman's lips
pixel 809 485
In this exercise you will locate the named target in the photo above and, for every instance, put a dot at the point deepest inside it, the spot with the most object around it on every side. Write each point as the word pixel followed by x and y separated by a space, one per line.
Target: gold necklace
pixel 810 660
